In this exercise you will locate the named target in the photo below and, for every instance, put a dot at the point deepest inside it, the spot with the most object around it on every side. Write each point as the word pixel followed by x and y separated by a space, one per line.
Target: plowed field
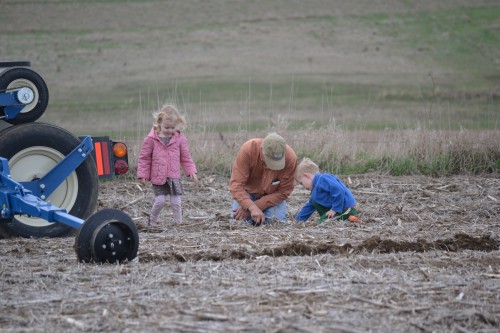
pixel 425 259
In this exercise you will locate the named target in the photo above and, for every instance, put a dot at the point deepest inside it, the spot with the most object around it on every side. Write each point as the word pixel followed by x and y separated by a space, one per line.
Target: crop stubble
pixel 425 259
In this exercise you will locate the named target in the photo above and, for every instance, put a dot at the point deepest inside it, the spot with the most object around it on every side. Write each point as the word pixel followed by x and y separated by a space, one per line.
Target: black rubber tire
pixel 78 194
pixel 4 64
pixel 104 228
pixel 19 77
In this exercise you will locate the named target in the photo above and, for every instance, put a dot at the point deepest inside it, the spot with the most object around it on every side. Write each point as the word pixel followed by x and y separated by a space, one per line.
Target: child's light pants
pixel 175 203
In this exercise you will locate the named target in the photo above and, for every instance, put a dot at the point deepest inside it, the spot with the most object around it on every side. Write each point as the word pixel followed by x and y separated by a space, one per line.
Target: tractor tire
pixel 24 77
pixel 32 150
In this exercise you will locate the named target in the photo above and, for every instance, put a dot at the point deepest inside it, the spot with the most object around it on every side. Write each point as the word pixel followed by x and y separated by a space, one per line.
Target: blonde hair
pixel 169 112
pixel 306 166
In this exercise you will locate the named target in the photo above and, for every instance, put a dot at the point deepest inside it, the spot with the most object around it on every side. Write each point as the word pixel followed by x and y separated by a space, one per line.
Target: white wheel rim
pixel 26 83
pixel 33 163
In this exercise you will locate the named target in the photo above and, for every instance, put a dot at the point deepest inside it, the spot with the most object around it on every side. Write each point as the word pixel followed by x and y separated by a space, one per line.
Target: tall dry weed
pixel 341 151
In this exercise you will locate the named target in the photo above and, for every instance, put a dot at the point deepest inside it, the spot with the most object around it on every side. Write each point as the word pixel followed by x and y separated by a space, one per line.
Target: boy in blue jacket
pixel 329 196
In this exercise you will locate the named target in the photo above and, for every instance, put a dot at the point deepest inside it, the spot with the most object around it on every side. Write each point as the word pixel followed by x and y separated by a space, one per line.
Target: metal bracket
pixel 44 186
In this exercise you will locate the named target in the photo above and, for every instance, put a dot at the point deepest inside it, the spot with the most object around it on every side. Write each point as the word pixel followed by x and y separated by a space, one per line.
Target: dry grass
pixel 398 152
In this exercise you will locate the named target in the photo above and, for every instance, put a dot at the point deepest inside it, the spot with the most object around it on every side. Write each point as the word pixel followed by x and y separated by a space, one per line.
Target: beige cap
pixel 274 147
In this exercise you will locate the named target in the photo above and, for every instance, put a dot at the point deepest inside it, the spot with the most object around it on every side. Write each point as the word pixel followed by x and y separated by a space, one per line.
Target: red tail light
pixel 121 167
pixel 121 160
pixel 111 157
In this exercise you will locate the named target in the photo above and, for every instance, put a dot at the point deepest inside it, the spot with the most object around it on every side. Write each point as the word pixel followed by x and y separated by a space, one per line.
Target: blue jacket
pixel 328 191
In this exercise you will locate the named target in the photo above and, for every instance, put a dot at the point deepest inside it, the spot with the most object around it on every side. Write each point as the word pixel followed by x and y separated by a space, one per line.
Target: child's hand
pixel 143 180
pixel 194 178
pixel 330 214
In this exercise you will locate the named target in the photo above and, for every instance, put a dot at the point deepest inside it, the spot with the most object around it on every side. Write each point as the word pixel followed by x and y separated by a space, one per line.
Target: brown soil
pixel 425 259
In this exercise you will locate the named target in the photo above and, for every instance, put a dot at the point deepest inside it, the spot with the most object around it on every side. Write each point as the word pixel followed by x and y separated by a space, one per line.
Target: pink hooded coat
pixel 158 161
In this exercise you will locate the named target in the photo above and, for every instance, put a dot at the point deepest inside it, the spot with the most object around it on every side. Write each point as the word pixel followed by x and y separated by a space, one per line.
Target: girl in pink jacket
pixel 163 152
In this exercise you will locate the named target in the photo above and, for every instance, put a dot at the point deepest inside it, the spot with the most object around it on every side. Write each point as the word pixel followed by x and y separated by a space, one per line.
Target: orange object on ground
pixel 354 219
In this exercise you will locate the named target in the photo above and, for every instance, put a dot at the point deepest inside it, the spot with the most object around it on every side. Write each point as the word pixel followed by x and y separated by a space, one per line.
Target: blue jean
pixel 278 211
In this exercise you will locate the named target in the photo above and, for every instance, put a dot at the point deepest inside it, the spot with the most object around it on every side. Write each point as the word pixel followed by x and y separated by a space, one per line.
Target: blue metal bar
pixel 33 206
pixel 46 185
pixel 12 106
pixel 16 200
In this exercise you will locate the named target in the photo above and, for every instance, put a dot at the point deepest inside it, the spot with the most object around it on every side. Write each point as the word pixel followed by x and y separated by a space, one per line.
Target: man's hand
pixel 241 214
pixel 253 211
pixel 257 215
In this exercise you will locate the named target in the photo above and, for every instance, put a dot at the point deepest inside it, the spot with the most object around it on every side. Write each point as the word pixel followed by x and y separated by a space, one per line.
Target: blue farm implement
pixel 49 177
